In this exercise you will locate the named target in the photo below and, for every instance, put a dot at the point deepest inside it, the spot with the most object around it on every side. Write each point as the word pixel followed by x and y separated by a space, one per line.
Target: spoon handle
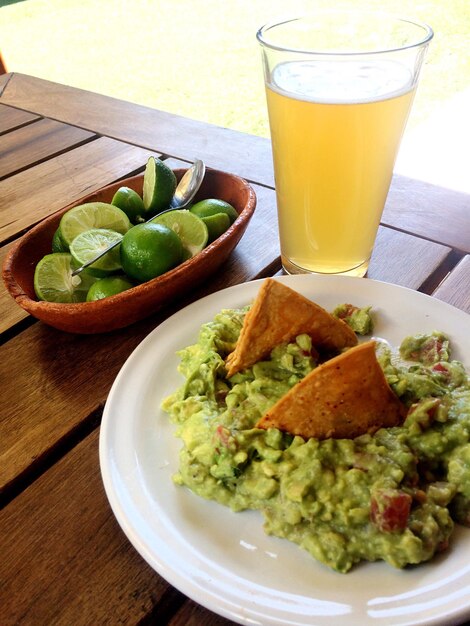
pixel 98 256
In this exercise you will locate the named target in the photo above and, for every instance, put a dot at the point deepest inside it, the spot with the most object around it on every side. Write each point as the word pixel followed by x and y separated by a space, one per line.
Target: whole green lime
pixel 131 203
pixel 212 206
pixel 108 286
pixel 58 244
pixel 149 250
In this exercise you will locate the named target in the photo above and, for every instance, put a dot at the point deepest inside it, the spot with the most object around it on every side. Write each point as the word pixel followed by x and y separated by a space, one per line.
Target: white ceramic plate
pixel 223 560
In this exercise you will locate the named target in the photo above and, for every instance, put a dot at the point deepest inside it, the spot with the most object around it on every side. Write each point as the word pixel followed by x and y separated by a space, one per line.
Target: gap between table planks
pixel 11 118
pixel 85 571
pixel 35 142
pixel 171 134
pixel 455 288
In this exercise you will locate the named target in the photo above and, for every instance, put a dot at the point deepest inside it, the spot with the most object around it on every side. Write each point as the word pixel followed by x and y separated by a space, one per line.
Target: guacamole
pixel 360 320
pixel 390 496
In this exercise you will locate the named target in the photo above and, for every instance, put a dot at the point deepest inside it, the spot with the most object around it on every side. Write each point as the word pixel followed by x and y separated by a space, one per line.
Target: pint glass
pixel 339 88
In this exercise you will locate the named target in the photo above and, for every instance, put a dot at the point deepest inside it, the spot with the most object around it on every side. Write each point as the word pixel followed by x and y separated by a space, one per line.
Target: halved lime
pixel 212 206
pixel 129 201
pixel 53 280
pixel 190 229
pixel 87 245
pixel 216 225
pixel 159 186
pixel 109 286
pixel 92 215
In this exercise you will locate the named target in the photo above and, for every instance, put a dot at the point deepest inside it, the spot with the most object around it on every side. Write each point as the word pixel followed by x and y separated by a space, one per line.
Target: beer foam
pixel 340 82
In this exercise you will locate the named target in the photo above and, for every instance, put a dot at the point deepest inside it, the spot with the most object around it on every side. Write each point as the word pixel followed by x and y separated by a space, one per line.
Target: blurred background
pixel 200 58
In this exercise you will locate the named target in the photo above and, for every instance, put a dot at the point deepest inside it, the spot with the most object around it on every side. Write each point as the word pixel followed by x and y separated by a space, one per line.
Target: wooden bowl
pixel 140 301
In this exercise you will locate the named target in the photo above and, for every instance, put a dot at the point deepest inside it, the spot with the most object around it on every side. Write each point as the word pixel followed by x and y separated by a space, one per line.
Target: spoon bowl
pixel 189 185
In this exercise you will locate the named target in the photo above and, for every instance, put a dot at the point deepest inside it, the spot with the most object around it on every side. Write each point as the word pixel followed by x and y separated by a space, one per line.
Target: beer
pixel 335 129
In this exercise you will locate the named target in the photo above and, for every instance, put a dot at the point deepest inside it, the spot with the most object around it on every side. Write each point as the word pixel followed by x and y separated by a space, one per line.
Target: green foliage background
pixel 200 58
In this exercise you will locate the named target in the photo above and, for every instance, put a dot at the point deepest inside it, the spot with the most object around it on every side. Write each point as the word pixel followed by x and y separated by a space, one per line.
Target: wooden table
pixel 63 557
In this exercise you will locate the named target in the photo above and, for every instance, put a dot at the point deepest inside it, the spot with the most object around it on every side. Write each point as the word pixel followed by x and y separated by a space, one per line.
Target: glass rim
pixel 428 35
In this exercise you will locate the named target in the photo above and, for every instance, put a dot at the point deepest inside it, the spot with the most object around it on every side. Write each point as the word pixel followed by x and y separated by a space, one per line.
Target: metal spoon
pixel 188 186
pixel 184 193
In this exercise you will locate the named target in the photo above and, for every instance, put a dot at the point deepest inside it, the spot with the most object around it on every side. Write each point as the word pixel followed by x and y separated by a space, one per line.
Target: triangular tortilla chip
pixel 344 397
pixel 277 315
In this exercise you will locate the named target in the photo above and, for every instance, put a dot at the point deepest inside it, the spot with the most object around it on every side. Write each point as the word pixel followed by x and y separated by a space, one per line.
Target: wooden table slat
pixel 4 80
pixel 192 614
pixel 429 211
pixel 171 134
pixel 11 118
pixel 10 312
pixel 50 372
pixel 455 288
pixel 32 143
pixel 60 181
pixel 404 260
pixel 64 558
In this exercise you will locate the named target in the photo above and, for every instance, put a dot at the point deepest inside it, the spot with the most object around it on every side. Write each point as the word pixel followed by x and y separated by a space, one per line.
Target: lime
pixel 131 203
pixel 212 206
pixel 216 224
pixel 87 245
pixel 53 280
pixel 148 250
pixel 190 229
pixel 109 286
pixel 159 186
pixel 57 242
pixel 92 215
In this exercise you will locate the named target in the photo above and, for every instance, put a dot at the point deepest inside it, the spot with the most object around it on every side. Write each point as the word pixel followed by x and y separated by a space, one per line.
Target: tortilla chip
pixel 277 315
pixel 344 397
